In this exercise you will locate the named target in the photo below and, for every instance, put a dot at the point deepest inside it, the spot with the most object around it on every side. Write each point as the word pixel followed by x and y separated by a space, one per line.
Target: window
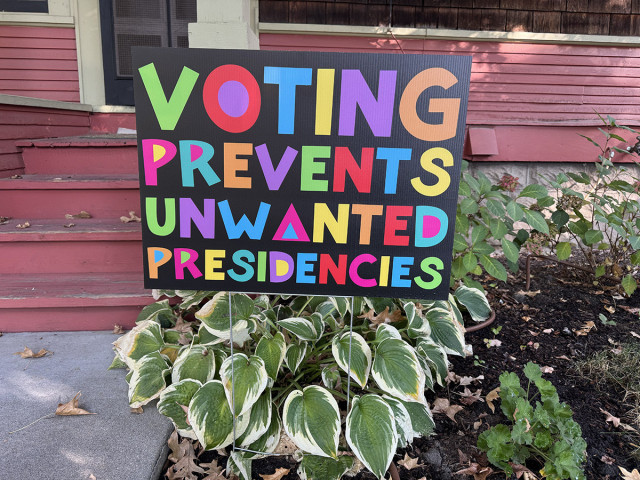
pixel 29 6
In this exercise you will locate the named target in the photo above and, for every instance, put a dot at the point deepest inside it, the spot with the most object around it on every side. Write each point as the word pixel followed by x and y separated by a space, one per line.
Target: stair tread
pixel 32 285
pixel 82 229
pixel 68 182
pixel 98 140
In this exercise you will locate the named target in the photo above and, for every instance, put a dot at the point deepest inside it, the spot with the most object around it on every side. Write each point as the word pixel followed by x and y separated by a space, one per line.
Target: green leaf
pixel 239 465
pixel 387 331
pixel 417 325
pixel 459 243
pixel 478 234
pixel 600 271
pixel 560 218
pixel 371 433
pixel 300 327
pixel 148 379
pixel 159 312
pixel 635 258
pixel 210 417
pixel 510 250
pixel 272 351
pixel 314 467
pixel 474 301
pixel 197 362
pixel 215 316
pixel 515 211
pixel 294 355
pixel 534 191
pixel 117 363
pixel 250 380
pixel 629 284
pixel 194 298
pixel 469 206
pixel 312 420
pixel 330 377
pixel 495 207
pixel 259 420
pixel 469 261
pixel 497 443
pixel 634 241
pixel 536 220
pixel 563 250
pixel 498 228
pixel 436 356
pixel 173 399
pixel 397 371
pixel 269 440
pixel 493 267
pixel 360 356
pixel 446 331
pixel 593 236
pixel 144 338
pixel 402 419
pixel 421 418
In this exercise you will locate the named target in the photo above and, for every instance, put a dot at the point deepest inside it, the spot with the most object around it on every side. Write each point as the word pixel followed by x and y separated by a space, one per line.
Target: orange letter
pixel 233 164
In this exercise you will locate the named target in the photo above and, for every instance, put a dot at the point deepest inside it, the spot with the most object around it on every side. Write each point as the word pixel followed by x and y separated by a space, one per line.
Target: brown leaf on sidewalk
pixel 441 405
pixel 69 225
pixel 71 407
pixel 117 329
pixel 478 472
pixel 82 214
pixel 28 353
pixel 491 397
pixel 137 410
pixel 409 463
pixel 277 475
pixel 131 218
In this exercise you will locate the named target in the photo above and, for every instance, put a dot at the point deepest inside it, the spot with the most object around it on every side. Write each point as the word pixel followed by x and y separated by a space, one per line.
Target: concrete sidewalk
pixel 112 445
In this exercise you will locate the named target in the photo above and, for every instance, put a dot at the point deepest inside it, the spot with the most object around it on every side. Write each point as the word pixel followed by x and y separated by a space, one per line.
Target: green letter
pixel 151 216
pixel 425 265
pixel 309 168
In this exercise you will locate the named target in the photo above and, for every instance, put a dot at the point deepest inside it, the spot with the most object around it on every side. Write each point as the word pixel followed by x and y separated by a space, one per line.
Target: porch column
pixel 225 24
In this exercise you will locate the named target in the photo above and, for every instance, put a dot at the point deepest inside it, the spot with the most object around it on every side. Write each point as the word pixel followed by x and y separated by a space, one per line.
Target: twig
pixel 32 423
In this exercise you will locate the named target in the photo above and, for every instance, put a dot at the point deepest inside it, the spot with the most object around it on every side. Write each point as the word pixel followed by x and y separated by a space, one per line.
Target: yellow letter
pixel 322 217
pixel 426 162
pixel 212 262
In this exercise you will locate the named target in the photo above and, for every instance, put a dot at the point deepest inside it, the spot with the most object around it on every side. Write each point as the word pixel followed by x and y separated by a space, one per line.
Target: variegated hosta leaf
pixel 193 298
pixel 330 377
pixel 210 417
pixel 239 465
pixel 418 326
pixel 272 351
pixel 300 327
pixel 197 362
pixel 148 379
pixel 262 301
pixel 144 338
pixel 318 323
pixel 402 419
pixel 294 355
pixel 215 316
pixel 453 305
pixel 360 356
pixel 314 467
pixel 426 368
pixel 474 301
pixel 397 370
pixel 259 420
pixel 159 312
pixel 312 420
pixel 421 418
pixel 250 380
pixel 205 337
pixel 371 433
pixel 445 331
pixel 173 398
pixel 328 311
pixel 341 304
pixel 387 331
pixel 436 356
pixel 268 442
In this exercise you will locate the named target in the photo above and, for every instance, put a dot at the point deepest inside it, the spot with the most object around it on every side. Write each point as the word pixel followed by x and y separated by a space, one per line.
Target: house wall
pixel 39 62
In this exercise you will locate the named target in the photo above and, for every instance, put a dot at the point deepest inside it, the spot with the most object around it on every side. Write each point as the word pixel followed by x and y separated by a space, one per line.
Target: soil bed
pixel 560 299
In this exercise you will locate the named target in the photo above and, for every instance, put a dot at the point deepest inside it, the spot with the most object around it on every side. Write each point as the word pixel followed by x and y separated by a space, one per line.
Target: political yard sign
pixel 299 172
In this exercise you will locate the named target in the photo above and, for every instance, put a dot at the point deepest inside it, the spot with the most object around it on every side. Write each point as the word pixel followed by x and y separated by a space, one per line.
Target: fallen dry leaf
pixel 477 425
pixel 28 353
pixel 117 329
pixel 627 475
pixel 441 405
pixel 82 214
pixel 409 463
pixel 131 218
pixel 564 357
pixel 521 471
pixel 491 396
pixel 184 456
pixel 382 317
pixel 15 177
pixel 137 410
pixel 610 309
pixel 586 328
pixel 213 471
pixel 546 369
pixel 71 407
pixel 478 472
pixel 277 475
pixel 528 294
pixel 615 421
pixel 469 397
pixel 92 477
pixel 607 459
pixel 23 225
pixel 547 330
pixel 69 225
pixel 526 318
pixel 494 342
pixel 634 334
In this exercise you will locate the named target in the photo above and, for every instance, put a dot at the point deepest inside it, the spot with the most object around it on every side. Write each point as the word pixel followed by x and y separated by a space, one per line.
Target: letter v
pixel 275 177
pixel 168 112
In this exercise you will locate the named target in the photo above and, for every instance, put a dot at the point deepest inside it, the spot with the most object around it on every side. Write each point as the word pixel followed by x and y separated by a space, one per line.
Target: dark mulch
pixel 565 302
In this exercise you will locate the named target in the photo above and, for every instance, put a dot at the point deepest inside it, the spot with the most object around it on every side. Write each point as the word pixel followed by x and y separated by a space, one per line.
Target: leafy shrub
pixel 487 213
pixel 546 431
pixel 289 365
pixel 599 214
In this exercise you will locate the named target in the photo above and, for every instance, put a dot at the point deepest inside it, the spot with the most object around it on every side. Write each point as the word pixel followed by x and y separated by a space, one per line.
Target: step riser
pixel 71 257
pixel 81 160
pixel 67 319
pixel 107 204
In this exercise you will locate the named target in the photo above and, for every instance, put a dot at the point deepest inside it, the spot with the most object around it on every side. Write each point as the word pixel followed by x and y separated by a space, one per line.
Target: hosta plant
pixel 289 372
pixel 544 431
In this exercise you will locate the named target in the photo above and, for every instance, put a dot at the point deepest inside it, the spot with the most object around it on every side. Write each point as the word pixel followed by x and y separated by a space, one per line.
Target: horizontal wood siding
pixel 18 123
pixel 517 83
pixel 39 62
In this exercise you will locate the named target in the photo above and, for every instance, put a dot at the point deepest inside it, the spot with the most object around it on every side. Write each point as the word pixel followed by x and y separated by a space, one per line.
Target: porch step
pixel 89 246
pixel 85 154
pixel 53 196
pixel 70 301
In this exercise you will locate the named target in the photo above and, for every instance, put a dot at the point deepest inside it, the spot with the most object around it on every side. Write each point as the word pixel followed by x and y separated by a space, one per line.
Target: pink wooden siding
pixel 517 83
pixel 39 62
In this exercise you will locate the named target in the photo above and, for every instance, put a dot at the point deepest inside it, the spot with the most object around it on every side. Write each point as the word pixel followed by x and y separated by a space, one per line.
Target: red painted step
pixel 86 154
pixel 53 196
pixel 89 246
pixel 84 301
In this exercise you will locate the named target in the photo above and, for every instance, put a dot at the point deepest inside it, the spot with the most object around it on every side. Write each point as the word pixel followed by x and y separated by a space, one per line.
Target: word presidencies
pixel 299 172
